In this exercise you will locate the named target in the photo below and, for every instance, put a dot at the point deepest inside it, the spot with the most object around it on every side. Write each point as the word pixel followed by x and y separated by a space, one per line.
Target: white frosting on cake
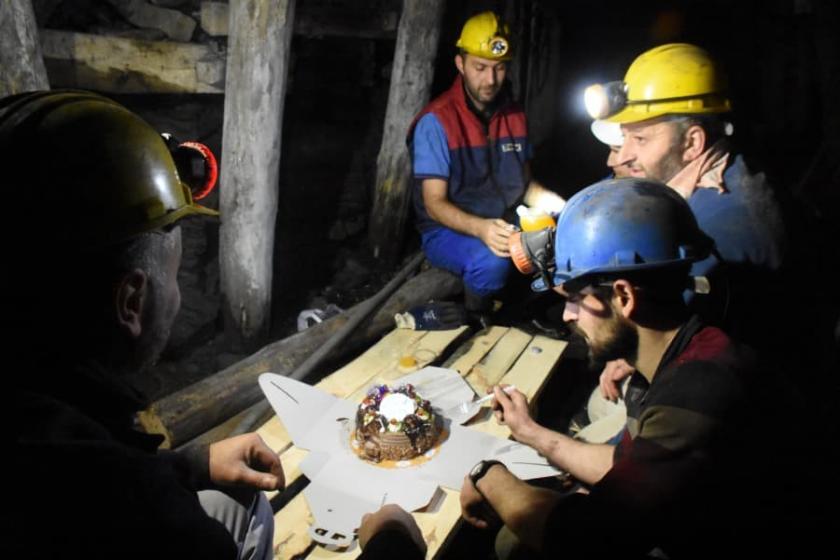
pixel 396 406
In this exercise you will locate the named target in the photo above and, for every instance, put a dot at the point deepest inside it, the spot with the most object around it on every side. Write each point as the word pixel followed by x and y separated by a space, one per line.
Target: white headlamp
pixel 603 100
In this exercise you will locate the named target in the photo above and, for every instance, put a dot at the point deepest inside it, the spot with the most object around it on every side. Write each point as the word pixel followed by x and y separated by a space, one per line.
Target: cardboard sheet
pixel 343 487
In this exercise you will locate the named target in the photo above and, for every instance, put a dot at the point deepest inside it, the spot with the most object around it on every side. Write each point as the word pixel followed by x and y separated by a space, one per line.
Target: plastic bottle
pixel 432 316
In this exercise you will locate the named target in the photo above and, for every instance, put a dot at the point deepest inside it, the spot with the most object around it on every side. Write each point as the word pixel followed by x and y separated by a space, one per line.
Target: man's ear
pixel 130 300
pixel 694 143
pixel 624 297
pixel 459 62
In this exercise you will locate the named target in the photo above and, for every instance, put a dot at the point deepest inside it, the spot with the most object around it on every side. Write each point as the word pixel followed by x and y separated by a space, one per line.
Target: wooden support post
pixel 411 80
pixel 20 51
pixel 255 86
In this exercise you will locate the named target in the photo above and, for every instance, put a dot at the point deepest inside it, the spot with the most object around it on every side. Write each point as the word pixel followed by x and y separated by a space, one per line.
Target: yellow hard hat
pixel 101 173
pixel 485 35
pixel 672 79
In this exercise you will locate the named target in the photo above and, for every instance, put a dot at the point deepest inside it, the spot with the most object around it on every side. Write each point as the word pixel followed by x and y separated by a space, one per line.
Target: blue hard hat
pixel 624 225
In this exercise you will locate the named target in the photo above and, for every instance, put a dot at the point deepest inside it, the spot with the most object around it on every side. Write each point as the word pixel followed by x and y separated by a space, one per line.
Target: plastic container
pixel 531 219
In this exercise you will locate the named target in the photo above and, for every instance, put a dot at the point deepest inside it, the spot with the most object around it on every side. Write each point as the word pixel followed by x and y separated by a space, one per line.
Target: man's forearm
pixel 446 213
pixel 587 462
pixel 537 196
pixel 522 507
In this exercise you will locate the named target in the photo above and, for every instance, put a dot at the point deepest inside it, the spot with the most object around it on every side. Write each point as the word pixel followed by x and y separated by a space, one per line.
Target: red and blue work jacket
pixel 482 163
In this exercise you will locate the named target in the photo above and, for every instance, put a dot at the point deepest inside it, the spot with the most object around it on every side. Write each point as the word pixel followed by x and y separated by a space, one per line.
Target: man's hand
pixel 390 516
pixel 246 461
pixel 495 233
pixel 612 376
pixel 474 508
pixel 512 411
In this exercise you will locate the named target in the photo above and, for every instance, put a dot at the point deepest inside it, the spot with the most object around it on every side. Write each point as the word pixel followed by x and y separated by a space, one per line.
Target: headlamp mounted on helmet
pixel 197 166
pixel 671 79
pixel 604 100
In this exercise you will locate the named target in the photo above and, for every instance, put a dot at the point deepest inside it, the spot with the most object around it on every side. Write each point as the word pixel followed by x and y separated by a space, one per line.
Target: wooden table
pixel 494 355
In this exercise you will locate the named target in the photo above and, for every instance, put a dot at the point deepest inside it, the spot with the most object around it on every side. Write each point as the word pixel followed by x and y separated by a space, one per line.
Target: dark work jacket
pixel 85 484
pixel 703 470
pixel 747 226
pixel 487 161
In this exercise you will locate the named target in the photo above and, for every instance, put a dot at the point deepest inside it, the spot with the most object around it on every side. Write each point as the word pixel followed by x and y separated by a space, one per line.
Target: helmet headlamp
pixel 197 166
pixel 499 46
pixel 603 100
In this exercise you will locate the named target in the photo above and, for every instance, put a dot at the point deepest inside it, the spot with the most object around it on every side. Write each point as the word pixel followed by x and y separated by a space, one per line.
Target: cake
pixel 394 424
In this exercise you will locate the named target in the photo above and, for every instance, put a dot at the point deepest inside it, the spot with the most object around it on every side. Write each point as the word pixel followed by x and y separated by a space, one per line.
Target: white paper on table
pixel 344 487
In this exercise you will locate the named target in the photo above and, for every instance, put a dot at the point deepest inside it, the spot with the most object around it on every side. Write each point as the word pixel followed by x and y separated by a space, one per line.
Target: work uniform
pixel 745 221
pixel 85 484
pixel 483 163
pixel 693 474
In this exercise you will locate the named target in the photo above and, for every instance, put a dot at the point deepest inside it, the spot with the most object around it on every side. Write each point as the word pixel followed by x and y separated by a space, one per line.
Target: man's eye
pixel 479 67
pixel 639 139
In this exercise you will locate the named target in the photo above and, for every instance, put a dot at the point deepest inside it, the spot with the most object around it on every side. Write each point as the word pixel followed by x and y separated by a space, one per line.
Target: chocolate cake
pixel 395 424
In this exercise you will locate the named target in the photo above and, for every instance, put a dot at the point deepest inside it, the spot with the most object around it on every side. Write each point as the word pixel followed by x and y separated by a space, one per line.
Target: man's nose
pixel 570 312
pixel 625 154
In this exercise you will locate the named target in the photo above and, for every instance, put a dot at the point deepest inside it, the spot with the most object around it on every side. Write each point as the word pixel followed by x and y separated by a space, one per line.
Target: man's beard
pixel 668 167
pixel 487 96
pixel 618 340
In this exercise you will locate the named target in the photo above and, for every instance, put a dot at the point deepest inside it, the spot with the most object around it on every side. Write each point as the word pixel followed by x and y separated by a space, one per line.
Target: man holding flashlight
pixel 470 156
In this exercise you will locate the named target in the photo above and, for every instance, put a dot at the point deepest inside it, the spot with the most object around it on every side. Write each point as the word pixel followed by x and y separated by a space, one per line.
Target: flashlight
pixel 604 100
pixel 197 166
pixel 533 252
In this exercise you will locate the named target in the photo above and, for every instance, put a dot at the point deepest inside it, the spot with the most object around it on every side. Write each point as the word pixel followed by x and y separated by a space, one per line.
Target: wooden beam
pixel 411 80
pixel 313 22
pixel 20 51
pixel 208 403
pixel 257 67
pixel 123 65
pixel 174 23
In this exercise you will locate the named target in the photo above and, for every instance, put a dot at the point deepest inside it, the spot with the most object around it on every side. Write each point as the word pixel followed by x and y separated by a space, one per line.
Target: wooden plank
pixel 504 354
pixel 474 350
pixel 174 23
pixel 381 356
pixel 291 529
pixel 291 526
pixel 530 373
pixel 20 51
pixel 437 521
pixel 124 65
pixel 534 365
pixel 425 350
